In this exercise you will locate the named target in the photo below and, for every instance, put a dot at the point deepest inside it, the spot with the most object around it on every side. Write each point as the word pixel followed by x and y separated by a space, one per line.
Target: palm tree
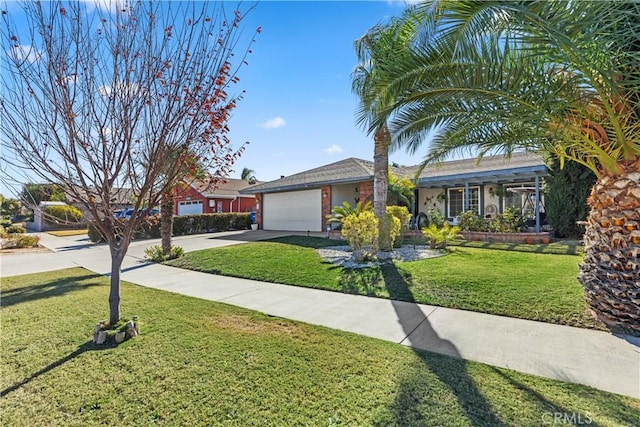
pixel 248 175
pixel 374 49
pixel 558 77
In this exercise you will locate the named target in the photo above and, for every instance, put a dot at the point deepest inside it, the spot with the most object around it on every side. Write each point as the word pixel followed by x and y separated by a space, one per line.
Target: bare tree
pixel 99 99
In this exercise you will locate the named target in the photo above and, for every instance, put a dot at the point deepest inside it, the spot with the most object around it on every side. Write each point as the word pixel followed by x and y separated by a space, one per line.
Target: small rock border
pixel 104 333
pixel 343 255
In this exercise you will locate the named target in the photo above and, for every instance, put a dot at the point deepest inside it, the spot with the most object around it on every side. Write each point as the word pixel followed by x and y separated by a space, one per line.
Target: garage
pixel 193 207
pixel 292 211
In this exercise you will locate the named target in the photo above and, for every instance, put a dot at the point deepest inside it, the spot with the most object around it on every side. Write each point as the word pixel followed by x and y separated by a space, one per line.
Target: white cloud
pixel 26 53
pixel 334 149
pixel 133 89
pixel 276 122
pixel 107 6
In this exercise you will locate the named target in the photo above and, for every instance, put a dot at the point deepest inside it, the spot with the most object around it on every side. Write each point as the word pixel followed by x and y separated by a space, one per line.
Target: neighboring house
pixel 201 196
pixel 122 198
pixel 302 201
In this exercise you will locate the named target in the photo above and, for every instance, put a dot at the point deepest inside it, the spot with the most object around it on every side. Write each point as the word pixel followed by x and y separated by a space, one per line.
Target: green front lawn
pixel 535 286
pixel 204 363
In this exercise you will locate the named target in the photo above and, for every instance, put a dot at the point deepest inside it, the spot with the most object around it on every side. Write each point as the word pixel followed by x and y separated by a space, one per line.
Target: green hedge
pixel 63 214
pixel 207 223
pixel 186 225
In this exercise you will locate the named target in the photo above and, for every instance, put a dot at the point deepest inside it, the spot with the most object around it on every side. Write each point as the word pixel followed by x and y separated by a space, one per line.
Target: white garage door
pixel 193 207
pixel 292 211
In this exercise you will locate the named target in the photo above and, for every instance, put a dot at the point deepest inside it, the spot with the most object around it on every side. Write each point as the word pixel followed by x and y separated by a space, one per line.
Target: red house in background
pixel 200 197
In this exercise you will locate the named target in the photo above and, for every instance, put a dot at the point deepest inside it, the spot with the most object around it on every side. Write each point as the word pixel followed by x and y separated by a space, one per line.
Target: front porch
pixel 487 188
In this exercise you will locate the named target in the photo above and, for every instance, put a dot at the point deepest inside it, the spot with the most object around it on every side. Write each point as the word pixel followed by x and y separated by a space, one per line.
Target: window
pixel 457 202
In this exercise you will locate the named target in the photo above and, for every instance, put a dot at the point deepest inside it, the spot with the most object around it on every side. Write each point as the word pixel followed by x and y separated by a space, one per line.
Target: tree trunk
pixel 381 142
pixel 118 249
pixel 166 222
pixel 610 272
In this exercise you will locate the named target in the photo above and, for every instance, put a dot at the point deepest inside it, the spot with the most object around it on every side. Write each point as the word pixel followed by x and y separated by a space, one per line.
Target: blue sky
pixel 298 112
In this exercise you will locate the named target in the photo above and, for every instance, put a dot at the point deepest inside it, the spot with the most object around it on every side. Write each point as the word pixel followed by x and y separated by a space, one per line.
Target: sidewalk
pixel 583 356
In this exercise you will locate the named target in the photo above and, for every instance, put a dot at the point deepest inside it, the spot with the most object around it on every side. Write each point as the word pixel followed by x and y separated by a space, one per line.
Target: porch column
pixel 537 204
pixel 467 202
pixel 415 209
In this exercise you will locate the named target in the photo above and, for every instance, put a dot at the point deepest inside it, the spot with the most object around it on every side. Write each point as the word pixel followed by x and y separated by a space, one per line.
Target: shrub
pixel 3 232
pixel 186 225
pixel 361 231
pixel 395 224
pixel 94 234
pixel 5 223
pixel 339 213
pixel 19 240
pixel 204 223
pixel 511 221
pixel 566 195
pixel 403 214
pixel 440 237
pixel 435 217
pixel 154 253
pixel 471 221
pixel 15 229
pixel 63 214
pixel 26 240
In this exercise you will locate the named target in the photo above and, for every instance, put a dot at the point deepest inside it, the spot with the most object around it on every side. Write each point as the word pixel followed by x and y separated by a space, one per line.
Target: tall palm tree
pixel 374 49
pixel 248 175
pixel 560 77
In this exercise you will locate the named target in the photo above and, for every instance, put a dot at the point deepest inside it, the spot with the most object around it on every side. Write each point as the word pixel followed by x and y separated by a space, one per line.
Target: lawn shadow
pixel 88 346
pixel 360 281
pixel 448 366
pixel 307 241
pixel 49 289
pixel 605 404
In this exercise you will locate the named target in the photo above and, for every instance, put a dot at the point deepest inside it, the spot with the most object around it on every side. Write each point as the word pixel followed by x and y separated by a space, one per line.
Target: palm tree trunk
pixel 610 272
pixel 166 222
pixel 382 140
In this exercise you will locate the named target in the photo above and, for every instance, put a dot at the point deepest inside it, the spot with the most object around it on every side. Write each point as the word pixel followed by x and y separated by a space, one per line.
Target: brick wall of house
pixel 326 204
pixel 366 190
pixel 259 210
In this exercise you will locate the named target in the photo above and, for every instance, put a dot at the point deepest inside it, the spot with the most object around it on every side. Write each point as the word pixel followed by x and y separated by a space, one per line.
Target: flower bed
pixel 482 236
pixel 530 238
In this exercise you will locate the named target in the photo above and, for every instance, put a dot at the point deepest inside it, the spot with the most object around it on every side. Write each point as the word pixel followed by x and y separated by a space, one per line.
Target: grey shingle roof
pixel 228 187
pixel 486 164
pixel 521 167
pixel 358 170
pixel 345 171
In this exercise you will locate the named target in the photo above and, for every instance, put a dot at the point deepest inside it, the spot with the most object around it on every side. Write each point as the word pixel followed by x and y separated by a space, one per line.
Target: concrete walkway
pixel 583 356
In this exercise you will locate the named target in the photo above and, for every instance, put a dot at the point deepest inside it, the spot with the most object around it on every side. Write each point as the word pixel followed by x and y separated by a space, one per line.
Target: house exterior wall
pixel 327 196
pixel 366 191
pixel 188 193
pixel 428 199
pixel 345 193
pixel 210 205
